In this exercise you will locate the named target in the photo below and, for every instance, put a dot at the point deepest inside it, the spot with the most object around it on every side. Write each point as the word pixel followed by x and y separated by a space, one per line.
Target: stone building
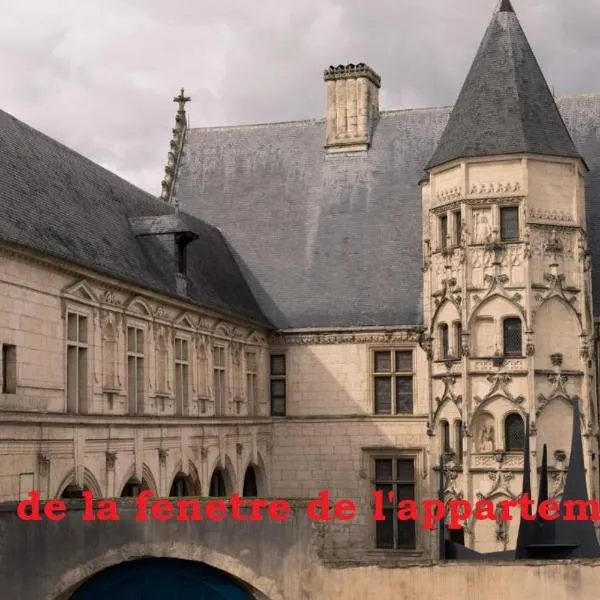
pixel 326 304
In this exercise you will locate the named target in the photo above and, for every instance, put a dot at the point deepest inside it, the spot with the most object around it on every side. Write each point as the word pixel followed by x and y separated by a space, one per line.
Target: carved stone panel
pixel 482 225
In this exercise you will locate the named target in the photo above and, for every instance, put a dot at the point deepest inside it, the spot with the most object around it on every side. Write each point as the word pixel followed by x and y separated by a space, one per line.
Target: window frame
pixel 505 431
pixel 503 210
pixel 139 358
pixel 393 375
pixel 443 231
pixel 81 404
pixel 182 405
pixel 251 380
pixel 385 453
pixel 504 320
pixel 457 225
pixel 10 382
pixel 221 401
pixel 278 377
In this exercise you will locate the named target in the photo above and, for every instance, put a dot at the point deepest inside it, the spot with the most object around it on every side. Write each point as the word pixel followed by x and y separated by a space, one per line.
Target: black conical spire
pixel 580 532
pixel 505 106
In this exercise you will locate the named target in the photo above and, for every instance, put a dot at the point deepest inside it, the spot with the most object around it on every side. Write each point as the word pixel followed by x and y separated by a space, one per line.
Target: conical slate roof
pixel 505 105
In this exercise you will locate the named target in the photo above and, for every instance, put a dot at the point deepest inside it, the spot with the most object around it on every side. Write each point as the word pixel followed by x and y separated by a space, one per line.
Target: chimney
pixel 352 107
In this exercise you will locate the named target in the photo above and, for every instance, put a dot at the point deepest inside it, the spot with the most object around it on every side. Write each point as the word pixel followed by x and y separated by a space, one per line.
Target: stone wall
pixel 279 560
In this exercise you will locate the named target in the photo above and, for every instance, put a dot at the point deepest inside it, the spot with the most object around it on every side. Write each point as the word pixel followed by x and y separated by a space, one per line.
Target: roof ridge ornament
pixel 176 146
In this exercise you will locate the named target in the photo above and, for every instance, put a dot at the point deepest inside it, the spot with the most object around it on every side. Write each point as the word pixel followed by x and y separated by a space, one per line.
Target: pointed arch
pixel 564 302
pixel 89 483
pixel 442 306
pixel 514 432
pixel 190 475
pixel 254 479
pixel 148 482
pixel 557 329
pixel 494 297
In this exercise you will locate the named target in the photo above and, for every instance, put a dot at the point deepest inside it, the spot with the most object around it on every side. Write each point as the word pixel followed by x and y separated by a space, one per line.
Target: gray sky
pixel 100 76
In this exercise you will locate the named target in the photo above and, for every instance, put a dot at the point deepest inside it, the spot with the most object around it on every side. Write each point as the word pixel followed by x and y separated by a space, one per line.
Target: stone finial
pixel 352 106
pixel 506 6
pixel 176 145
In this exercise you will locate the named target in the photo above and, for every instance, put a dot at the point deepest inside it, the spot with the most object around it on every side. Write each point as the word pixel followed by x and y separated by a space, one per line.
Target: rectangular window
pixel 444 341
pixel 77 363
pixel 9 369
pixel 457 228
pixel 135 369
pixel 457 339
pixel 443 232
pixel 251 381
pixel 509 223
pixel 395 477
pixel 181 376
pixel 278 385
pixel 219 382
pixel 393 382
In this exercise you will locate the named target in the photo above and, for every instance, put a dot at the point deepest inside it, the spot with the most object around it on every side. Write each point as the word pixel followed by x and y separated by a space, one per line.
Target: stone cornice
pixel 316 338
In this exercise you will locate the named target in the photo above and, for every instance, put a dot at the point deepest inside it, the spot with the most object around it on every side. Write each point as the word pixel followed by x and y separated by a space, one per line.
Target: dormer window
pixel 182 255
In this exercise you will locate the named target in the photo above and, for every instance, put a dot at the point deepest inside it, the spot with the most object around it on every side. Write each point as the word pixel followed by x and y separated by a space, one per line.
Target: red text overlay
pixel 429 512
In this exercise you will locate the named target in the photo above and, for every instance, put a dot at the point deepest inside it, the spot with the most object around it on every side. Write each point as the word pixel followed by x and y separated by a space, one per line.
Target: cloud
pixel 100 77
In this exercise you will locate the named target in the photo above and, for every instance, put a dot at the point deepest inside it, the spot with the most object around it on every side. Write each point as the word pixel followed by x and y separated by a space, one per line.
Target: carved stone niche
pixel 485 434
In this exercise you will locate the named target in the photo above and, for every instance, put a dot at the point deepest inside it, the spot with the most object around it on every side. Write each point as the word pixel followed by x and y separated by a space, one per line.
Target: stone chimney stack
pixel 352 107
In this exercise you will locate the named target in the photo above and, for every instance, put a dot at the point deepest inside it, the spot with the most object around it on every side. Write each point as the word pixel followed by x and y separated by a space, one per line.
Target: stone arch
pixel 89 482
pixel 447 312
pixel 259 478
pixel 191 475
pixel 484 428
pixel 225 464
pixel 513 425
pixel 143 307
pixel 554 426
pixel 557 329
pixel 147 478
pixel 498 298
pixel 223 329
pixel 262 588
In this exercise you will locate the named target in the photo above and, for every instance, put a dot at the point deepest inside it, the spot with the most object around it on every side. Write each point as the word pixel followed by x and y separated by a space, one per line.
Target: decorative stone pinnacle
pixel 175 145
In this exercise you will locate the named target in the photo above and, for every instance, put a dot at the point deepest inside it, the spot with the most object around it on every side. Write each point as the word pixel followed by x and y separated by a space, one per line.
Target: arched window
pixel 514 433
pixel 459 439
pixel 444 341
pixel 73 491
pixel 217 484
pixel 445 431
pixel 181 487
pixel 250 486
pixel 512 337
pixel 133 488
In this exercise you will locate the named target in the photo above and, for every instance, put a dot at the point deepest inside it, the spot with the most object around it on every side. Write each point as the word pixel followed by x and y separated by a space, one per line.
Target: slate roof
pixel 335 240
pixel 505 105
pixel 55 201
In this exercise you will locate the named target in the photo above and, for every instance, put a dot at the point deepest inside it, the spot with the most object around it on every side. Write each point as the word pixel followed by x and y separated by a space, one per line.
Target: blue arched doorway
pixel 161 579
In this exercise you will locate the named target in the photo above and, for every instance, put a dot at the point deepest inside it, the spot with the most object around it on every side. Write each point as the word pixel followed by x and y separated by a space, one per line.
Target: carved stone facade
pixel 508 273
